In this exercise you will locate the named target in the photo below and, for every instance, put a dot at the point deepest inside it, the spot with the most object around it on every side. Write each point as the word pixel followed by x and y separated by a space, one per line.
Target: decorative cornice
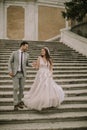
pixel 18 0
pixel 45 2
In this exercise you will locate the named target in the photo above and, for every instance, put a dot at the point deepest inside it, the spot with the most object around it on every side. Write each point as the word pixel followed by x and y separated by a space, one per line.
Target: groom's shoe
pixel 16 108
pixel 21 105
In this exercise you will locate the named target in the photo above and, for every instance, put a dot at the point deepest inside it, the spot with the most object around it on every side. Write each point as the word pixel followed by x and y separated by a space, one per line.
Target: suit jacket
pixel 13 63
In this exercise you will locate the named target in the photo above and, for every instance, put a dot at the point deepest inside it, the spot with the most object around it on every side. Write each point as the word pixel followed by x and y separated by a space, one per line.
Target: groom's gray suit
pixel 18 77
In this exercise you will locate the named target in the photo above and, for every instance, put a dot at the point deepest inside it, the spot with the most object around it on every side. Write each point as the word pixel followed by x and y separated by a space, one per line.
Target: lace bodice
pixel 43 64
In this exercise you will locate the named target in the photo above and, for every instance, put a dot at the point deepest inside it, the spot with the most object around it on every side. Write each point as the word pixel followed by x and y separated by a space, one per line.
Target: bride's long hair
pixel 48 58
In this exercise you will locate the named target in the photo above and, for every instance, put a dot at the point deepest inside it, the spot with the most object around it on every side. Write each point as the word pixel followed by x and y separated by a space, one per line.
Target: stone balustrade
pixel 74 41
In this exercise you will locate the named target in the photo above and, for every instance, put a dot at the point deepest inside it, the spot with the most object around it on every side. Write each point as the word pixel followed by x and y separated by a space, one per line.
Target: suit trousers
pixel 18 87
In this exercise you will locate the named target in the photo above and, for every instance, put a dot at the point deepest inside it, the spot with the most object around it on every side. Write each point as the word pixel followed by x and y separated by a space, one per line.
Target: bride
pixel 44 92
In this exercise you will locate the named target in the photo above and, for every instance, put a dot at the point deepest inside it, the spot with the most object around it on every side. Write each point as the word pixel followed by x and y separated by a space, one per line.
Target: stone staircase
pixel 70 71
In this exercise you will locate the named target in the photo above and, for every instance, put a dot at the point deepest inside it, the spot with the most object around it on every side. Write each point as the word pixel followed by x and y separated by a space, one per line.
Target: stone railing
pixel 74 41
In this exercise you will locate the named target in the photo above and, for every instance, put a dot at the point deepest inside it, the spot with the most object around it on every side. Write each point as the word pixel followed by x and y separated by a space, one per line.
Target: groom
pixel 17 70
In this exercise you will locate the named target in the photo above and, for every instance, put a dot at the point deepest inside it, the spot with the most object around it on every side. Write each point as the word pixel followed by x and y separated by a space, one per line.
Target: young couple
pixel 44 92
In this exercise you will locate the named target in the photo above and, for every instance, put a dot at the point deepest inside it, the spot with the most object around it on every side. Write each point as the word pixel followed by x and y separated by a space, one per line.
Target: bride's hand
pixel 34 64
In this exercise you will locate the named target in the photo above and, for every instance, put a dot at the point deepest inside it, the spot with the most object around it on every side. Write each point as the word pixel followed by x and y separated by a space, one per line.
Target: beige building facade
pixel 31 19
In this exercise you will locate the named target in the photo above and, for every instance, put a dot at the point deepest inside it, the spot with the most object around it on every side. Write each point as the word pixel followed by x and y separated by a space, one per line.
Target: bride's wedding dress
pixel 44 92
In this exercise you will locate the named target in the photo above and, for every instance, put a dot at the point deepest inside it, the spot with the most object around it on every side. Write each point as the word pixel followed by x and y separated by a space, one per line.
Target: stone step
pixel 54 56
pixel 56 73
pixel 54 64
pixel 7 94
pixel 30 69
pixel 62 108
pixel 55 61
pixel 32 51
pixel 57 67
pixel 35 54
pixel 55 76
pixel 59 81
pixel 29 72
pixel 70 87
pixel 58 59
pixel 32 57
pixel 38 47
pixel 71 125
pixel 6 101
pixel 37 117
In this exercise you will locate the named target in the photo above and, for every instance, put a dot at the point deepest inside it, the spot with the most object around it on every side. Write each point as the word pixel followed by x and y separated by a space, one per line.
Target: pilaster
pixel 1 20
pixel 31 21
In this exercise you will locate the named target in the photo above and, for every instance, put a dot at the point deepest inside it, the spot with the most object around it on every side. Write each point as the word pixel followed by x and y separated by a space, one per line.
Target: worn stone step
pixel 59 82
pixel 68 100
pixel 33 51
pixel 57 56
pixel 54 64
pixel 37 117
pixel 73 125
pixel 55 71
pixel 54 56
pixel 55 76
pixel 3 58
pixel 36 54
pixel 71 87
pixel 55 61
pixel 56 80
pixel 73 80
pixel 57 67
pixel 67 92
pixel 62 108
pixel 71 63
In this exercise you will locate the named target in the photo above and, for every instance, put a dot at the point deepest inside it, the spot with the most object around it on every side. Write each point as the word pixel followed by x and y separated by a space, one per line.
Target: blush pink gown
pixel 44 92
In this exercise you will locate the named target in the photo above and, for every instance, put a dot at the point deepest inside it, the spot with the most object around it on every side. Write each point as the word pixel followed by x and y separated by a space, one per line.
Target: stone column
pixel 31 21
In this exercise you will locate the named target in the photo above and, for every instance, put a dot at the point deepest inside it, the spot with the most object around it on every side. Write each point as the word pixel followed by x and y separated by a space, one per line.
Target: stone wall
pixel 15 22
pixel 50 22
pixel 30 20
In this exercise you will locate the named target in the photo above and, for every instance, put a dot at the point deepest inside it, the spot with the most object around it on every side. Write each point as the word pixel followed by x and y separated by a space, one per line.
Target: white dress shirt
pixel 19 67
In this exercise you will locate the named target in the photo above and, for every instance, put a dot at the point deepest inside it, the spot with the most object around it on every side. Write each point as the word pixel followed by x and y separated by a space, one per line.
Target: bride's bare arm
pixel 51 67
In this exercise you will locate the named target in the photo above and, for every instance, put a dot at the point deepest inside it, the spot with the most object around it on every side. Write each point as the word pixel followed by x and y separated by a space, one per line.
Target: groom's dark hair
pixel 23 43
